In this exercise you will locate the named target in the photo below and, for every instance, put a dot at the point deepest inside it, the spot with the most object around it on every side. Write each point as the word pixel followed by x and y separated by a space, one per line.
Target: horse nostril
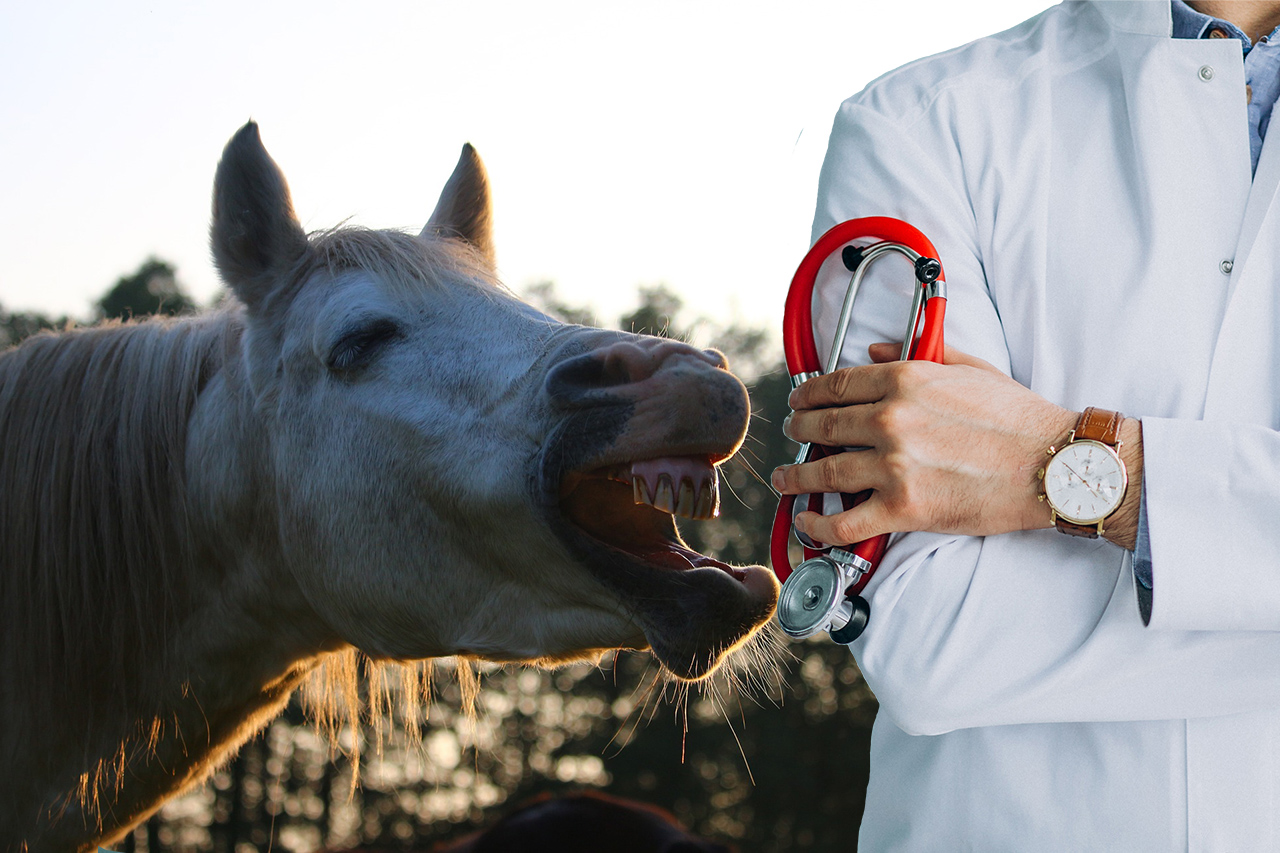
pixel 575 378
pixel 620 363
pixel 626 362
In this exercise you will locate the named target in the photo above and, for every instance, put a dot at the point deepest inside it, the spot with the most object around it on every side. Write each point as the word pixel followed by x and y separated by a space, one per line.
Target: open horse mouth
pixel 621 522
pixel 630 508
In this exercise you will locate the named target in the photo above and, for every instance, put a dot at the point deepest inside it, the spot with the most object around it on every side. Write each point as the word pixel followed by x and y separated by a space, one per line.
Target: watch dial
pixel 1084 482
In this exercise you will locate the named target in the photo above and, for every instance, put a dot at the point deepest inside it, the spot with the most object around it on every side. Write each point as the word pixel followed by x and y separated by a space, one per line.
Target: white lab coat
pixel 1084 177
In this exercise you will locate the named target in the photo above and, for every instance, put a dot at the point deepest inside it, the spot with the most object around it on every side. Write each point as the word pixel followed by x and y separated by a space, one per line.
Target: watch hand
pixel 1083 480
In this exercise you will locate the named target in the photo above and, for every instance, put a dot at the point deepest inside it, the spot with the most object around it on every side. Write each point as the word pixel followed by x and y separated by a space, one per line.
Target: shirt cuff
pixel 1142 574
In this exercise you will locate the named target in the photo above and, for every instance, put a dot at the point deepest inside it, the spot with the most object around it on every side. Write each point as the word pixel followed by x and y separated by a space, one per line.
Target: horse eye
pixel 357 347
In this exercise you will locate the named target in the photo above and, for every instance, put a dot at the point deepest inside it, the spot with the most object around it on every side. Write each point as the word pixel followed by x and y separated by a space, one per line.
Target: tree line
pixel 151 289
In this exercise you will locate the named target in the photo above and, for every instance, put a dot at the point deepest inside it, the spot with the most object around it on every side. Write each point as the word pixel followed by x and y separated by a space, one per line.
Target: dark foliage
pixel 15 327
pixel 151 289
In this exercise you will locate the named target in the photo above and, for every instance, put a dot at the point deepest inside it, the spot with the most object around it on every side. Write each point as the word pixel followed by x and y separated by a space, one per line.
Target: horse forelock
pixel 94 528
pixel 403 262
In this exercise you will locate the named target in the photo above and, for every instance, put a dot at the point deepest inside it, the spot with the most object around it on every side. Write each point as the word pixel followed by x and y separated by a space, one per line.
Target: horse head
pixel 443 469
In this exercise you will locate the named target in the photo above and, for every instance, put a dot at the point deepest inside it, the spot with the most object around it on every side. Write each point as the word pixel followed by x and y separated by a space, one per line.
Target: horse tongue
pixel 688 486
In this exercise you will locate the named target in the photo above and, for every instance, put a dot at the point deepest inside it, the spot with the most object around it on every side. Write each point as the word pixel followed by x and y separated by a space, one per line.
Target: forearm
pixel 952 448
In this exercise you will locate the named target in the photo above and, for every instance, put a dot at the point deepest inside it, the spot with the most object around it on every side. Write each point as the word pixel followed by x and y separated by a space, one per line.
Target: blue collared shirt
pixel 1261 65
pixel 1262 85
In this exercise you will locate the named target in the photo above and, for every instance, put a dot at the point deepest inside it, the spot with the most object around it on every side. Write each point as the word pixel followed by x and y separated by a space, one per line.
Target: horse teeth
pixel 665 497
pixel 706 506
pixel 640 491
pixel 686 503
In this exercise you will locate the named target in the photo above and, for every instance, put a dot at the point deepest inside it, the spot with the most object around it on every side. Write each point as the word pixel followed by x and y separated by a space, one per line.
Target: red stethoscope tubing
pixel 801 350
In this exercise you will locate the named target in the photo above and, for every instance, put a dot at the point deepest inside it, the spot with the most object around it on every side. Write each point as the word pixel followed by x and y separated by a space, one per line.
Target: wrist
pixel 1054 434
pixel 1122 527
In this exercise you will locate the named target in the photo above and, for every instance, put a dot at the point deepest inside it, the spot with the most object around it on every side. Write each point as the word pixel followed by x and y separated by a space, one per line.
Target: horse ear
pixel 255 234
pixel 464 210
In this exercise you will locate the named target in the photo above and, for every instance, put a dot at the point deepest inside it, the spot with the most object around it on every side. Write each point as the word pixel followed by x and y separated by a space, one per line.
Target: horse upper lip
pixel 691 607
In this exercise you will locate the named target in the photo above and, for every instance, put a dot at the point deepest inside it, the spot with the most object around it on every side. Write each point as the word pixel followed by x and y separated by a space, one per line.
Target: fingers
pixel 846 528
pixel 843 426
pixel 879 426
pixel 849 472
pixel 845 387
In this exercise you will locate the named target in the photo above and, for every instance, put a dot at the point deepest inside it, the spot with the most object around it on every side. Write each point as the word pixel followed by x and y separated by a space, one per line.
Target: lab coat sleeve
pixel 1032 626
pixel 1213 504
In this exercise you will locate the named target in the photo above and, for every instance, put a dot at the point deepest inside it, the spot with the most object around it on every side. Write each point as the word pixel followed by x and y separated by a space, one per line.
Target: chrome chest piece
pixel 813 598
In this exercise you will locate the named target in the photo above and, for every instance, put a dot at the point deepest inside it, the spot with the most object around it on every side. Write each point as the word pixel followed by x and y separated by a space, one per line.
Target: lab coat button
pixel 1226 266
pixel 1206 73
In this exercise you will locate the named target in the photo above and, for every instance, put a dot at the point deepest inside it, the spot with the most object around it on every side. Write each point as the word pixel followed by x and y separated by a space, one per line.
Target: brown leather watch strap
pixel 1094 425
pixel 1099 425
pixel 1087 531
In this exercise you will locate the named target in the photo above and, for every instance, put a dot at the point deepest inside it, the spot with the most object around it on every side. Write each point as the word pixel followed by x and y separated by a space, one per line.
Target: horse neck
pixel 163 642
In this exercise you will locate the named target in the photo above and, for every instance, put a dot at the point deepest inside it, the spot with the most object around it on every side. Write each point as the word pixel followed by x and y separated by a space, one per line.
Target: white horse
pixel 374 447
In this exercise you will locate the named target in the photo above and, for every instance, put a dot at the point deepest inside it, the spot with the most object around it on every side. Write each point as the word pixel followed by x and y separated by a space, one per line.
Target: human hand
pixel 952 447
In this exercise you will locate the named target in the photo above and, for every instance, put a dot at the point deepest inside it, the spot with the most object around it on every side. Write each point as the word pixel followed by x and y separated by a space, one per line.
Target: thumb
pixel 882 353
pixel 864 521
pixel 951 355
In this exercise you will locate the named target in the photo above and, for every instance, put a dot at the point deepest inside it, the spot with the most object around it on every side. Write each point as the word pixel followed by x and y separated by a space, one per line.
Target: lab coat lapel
pixel 1262 197
pixel 1246 363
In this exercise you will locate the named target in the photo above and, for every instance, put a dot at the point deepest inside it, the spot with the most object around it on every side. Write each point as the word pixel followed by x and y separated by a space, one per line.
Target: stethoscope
pixel 822 593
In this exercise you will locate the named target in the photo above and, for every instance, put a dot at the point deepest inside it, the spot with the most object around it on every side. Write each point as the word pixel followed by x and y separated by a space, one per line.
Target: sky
pixel 627 144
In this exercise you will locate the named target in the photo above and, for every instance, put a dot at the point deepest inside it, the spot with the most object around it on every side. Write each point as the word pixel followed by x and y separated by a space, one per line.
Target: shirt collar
pixel 1190 24
pixel 1187 22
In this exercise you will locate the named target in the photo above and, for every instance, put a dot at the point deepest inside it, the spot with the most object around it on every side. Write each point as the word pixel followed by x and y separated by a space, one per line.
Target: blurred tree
pixel 152 289
pixel 544 297
pixel 15 327
pixel 656 314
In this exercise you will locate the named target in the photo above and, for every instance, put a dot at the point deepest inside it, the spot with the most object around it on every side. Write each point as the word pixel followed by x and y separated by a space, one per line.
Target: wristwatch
pixel 1085 481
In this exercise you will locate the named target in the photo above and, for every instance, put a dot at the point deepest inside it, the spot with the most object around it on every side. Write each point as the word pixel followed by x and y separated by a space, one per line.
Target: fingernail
pixel 778 477
pixel 786 425
pixel 800 524
pixel 791 398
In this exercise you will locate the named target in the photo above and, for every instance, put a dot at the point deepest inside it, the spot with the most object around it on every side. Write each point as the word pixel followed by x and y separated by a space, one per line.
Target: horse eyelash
pixel 356 348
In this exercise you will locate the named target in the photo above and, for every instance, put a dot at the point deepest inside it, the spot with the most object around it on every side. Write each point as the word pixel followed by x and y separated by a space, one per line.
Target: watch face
pixel 1085 482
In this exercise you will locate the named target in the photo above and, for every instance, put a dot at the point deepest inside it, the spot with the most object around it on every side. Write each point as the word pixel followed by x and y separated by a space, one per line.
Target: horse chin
pixel 692 608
